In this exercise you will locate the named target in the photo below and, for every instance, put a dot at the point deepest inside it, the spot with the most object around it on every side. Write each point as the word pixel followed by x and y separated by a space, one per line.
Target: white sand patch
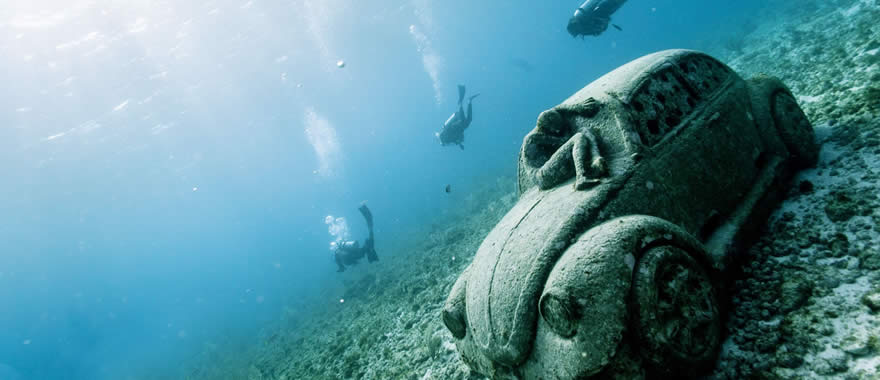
pixel 809 99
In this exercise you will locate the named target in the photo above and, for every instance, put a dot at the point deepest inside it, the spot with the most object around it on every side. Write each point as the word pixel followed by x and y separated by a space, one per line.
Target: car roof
pixel 659 90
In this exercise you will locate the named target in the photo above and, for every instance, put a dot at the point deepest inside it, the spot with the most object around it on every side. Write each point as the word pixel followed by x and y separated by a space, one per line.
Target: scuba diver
pixel 453 129
pixel 593 17
pixel 349 252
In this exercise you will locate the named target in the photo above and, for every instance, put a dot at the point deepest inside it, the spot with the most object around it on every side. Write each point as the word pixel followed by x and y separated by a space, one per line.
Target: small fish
pixel 522 64
pixel 448 189
pixel 617 27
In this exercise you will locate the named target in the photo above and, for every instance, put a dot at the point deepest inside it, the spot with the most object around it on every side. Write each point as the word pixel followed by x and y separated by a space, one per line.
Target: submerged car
pixel 635 194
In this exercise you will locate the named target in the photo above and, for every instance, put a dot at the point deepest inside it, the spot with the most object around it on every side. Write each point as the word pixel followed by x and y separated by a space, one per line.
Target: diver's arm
pixel 337 258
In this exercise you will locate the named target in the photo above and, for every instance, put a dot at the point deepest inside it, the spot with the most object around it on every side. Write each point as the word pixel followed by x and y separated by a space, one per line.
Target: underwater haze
pixel 167 166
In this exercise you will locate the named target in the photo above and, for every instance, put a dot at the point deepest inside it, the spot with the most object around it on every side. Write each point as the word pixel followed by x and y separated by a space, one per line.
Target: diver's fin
pixel 472 97
pixel 370 244
pixel 460 93
pixel 617 27
pixel 368 216
pixel 371 252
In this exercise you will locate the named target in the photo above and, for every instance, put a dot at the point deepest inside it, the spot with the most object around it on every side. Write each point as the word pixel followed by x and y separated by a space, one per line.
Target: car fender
pixel 790 132
pixel 592 282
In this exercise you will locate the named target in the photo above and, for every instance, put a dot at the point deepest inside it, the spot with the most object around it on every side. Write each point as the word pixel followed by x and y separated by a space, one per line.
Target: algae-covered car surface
pixel 634 196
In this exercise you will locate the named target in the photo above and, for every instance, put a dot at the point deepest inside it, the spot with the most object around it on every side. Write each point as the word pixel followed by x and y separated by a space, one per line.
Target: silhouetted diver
pixel 453 129
pixel 350 252
pixel 593 17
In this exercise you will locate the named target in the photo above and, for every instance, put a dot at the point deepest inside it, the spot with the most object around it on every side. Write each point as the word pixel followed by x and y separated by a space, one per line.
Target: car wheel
pixel 676 314
pixel 794 129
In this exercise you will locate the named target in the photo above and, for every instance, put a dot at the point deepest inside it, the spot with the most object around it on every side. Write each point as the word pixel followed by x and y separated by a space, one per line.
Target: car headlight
pixel 559 312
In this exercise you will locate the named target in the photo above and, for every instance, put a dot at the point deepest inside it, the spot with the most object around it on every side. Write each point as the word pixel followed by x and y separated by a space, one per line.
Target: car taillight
pixel 455 322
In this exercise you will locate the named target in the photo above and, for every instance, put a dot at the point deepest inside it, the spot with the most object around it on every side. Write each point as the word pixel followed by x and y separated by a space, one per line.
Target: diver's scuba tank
pixel 349 245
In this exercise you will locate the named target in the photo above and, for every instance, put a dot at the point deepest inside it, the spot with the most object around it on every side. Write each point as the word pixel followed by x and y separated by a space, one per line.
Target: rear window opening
pixel 672 93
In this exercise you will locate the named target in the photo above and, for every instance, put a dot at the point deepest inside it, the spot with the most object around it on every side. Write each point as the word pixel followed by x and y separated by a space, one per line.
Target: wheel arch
pixel 787 135
pixel 602 301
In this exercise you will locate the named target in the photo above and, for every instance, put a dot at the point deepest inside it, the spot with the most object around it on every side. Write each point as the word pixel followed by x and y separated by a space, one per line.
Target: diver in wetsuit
pixel 349 252
pixel 593 17
pixel 453 129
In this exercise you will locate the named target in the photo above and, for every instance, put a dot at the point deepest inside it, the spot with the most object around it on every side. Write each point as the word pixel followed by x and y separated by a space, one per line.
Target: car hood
pixel 511 266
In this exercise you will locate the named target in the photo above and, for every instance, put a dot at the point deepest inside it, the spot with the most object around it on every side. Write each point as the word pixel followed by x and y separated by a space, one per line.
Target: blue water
pixel 167 165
